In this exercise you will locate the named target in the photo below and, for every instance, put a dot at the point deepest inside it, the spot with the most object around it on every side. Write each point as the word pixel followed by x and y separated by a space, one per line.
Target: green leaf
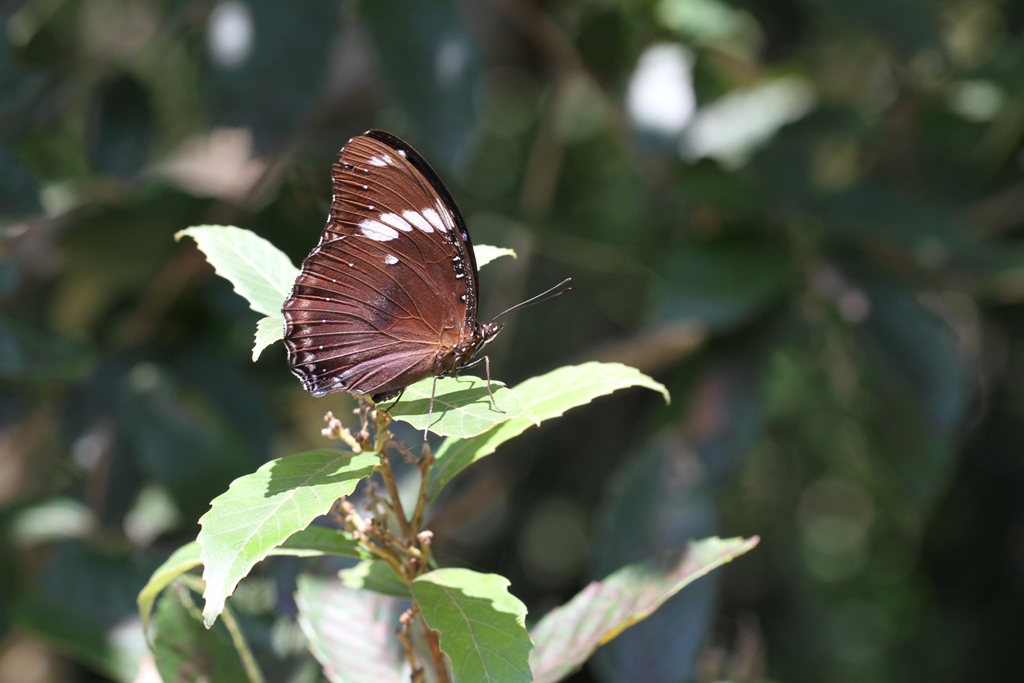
pixel 268 331
pixel 481 625
pixel 261 510
pixel 350 632
pixel 185 651
pixel 376 576
pixel 181 560
pixel 318 540
pixel 462 406
pixel 646 488
pixel 309 542
pixel 569 634
pixel 543 398
pixel 485 253
pixel 259 271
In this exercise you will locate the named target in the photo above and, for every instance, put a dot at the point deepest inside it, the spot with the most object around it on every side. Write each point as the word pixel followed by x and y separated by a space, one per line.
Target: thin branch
pixel 252 669
pixel 424 463
pixel 392 560
pixel 408 556
pixel 435 652
pixel 360 531
pixel 396 504
pixel 383 437
pixel 404 633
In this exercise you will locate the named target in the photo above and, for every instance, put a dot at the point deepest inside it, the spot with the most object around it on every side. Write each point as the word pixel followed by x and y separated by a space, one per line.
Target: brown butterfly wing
pixel 391 287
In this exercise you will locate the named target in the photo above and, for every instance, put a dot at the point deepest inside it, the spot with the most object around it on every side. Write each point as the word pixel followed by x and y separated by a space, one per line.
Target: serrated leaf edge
pixel 208 616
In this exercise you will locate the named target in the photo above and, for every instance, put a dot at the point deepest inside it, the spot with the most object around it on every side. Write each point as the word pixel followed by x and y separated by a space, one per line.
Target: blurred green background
pixel 804 216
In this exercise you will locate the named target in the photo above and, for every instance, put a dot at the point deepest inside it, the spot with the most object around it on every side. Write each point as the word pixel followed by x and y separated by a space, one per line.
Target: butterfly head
pixel 489 331
pixel 470 347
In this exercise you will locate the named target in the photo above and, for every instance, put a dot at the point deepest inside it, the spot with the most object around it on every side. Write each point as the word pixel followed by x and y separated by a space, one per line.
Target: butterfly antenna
pixel 561 288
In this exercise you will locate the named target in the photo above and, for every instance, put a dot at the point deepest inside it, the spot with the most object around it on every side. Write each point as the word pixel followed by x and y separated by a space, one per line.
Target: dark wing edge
pixel 421 165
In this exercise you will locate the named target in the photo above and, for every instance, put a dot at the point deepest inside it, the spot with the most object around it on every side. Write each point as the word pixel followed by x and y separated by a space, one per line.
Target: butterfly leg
pixel 487 368
pixel 398 398
pixel 471 364
pixel 430 408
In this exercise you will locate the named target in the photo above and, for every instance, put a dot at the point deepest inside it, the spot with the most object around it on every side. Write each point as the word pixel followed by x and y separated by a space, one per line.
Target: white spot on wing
pixel 376 230
pixel 377 161
pixel 434 219
pixel 395 221
pixel 390 260
pixel 446 218
pixel 401 152
pixel 418 220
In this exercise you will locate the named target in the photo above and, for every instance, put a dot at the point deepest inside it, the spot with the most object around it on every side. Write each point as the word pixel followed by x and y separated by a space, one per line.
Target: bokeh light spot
pixel 732 127
pixel 975 100
pixel 230 34
pixel 660 97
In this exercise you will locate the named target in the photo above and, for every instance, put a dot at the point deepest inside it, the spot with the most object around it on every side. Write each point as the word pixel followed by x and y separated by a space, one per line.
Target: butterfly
pixel 389 296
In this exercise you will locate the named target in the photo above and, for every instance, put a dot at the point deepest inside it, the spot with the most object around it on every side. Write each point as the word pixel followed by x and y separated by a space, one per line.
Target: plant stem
pixel 252 669
pixel 435 652
pixel 181 589
pixel 424 464
pixel 404 634
pixel 383 437
pixel 408 556
pixel 358 528
pixel 392 561
pixel 389 480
